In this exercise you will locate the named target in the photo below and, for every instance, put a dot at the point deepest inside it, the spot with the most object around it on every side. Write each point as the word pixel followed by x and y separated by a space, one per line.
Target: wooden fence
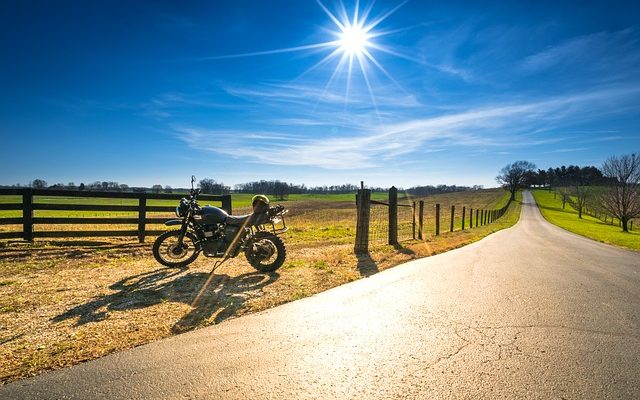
pixel 28 206
pixel 470 218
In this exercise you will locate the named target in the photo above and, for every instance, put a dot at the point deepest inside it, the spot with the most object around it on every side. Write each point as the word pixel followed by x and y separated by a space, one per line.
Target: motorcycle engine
pixel 214 241
pixel 230 233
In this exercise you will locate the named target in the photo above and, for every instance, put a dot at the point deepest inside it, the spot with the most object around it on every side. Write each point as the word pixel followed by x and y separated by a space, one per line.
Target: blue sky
pixel 152 92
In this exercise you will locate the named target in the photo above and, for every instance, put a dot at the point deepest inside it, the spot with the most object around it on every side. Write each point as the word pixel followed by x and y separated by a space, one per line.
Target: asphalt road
pixel 529 312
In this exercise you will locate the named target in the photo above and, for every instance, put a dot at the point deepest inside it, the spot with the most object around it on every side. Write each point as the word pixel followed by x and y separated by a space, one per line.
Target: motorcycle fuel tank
pixel 213 215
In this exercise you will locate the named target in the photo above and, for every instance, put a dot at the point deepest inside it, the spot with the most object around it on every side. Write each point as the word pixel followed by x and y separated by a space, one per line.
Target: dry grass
pixel 63 302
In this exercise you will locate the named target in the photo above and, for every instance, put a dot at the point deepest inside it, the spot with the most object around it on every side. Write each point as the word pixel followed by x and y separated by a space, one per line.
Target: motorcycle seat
pixel 237 220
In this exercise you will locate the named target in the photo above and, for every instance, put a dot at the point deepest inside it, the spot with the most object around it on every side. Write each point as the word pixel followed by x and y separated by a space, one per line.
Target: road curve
pixel 529 312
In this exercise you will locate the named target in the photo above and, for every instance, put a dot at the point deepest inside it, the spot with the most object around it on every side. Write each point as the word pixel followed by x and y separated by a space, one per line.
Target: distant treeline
pixel 275 188
pixel 282 189
pixel 427 190
pixel 95 186
pixel 566 176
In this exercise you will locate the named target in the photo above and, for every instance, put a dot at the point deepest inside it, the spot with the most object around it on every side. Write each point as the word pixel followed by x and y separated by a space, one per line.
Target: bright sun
pixel 353 40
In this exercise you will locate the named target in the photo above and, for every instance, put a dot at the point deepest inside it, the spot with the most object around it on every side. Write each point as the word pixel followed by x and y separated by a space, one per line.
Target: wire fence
pixel 406 222
pixel 379 223
pixel 391 222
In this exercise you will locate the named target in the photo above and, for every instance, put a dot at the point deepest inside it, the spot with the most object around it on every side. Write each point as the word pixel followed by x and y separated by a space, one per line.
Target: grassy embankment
pixel 588 226
pixel 66 301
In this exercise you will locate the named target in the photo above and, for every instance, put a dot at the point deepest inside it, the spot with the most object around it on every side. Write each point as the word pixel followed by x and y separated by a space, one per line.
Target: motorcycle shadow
pixel 220 295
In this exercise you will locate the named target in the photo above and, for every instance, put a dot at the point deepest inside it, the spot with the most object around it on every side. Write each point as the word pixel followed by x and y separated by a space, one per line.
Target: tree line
pixel 282 189
pixel 103 186
pixel 279 189
pixel 612 191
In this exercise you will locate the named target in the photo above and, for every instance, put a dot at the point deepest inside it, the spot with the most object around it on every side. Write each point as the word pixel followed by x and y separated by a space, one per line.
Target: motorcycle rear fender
pixel 172 222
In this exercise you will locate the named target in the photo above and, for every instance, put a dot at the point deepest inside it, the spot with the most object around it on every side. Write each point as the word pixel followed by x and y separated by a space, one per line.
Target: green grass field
pixel 587 226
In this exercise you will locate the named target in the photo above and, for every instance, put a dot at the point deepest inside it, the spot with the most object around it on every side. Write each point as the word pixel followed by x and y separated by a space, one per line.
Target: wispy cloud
pixel 570 149
pixel 614 50
pixel 302 94
pixel 169 104
pixel 497 127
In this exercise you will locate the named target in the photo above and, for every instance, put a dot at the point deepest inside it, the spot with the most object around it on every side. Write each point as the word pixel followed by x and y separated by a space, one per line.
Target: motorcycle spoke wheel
pixel 169 252
pixel 266 253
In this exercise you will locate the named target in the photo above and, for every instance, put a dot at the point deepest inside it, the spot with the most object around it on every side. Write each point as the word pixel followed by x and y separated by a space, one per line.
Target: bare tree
pixel 565 195
pixel 39 184
pixel 168 189
pixel 622 197
pixel 156 188
pixel 513 175
pixel 210 186
pixel 578 201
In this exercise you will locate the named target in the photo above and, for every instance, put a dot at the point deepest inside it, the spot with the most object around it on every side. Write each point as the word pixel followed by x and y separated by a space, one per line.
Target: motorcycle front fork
pixel 183 231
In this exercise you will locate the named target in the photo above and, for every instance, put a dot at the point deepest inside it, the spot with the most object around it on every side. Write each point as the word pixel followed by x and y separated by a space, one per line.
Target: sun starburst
pixel 354 40
pixel 354 43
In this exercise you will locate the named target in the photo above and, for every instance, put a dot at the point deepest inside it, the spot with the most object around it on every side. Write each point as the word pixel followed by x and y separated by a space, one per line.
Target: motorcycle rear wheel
pixel 266 253
pixel 167 252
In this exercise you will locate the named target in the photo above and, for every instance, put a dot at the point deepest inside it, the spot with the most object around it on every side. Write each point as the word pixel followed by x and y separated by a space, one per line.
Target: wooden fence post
pixel 471 218
pixel 27 215
pixel 420 219
pixel 413 220
pixel 393 215
pixel 477 217
pixel 464 210
pixel 226 203
pixel 437 219
pixel 142 214
pixel 363 206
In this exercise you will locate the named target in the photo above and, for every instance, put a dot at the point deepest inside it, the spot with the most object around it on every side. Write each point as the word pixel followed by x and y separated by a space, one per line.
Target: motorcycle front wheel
pixel 168 253
pixel 266 253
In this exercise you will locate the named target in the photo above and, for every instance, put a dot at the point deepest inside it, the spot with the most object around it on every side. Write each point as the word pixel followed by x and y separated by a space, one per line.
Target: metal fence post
pixel 363 205
pixel 464 210
pixel 453 214
pixel 393 215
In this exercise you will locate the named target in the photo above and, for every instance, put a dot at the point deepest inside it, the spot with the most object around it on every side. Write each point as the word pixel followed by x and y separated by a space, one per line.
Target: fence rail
pixel 28 220
pixel 416 220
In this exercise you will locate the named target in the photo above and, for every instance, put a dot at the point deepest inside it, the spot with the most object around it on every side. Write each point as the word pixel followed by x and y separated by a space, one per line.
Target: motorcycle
pixel 215 233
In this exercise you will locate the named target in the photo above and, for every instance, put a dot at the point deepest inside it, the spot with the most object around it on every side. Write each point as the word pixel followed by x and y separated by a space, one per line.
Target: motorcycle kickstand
pixel 218 264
